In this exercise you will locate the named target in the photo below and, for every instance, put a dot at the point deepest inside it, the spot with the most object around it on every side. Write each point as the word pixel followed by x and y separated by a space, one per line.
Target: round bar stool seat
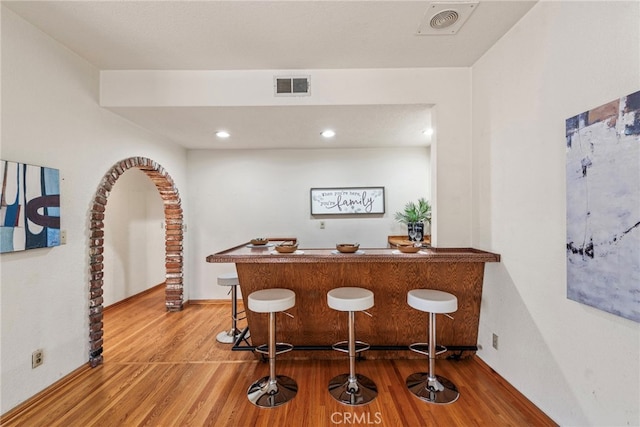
pixel 350 299
pixel 272 390
pixel 271 300
pixel 428 386
pixel 228 279
pixel 432 301
pixel 230 336
pixel 351 389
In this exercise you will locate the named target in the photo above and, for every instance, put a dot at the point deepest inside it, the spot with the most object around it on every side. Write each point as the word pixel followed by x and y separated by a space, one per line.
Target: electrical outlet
pixel 37 358
pixel 321 225
pixel 495 341
pixel 63 237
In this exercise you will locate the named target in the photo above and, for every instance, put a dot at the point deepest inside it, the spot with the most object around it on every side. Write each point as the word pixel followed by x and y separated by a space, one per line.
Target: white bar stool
pixel 351 389
pixel 273 390
pixel 230 336
pixel 427 385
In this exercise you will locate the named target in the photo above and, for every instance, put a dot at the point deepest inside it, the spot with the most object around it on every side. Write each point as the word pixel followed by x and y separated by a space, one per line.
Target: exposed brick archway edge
pixel 173 244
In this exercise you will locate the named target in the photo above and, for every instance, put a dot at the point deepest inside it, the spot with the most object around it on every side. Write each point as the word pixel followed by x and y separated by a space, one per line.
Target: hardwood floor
pixel 167 369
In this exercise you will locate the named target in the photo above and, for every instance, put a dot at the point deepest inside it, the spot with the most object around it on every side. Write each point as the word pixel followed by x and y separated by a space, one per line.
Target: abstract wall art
pixel 603 207
pixel 29 207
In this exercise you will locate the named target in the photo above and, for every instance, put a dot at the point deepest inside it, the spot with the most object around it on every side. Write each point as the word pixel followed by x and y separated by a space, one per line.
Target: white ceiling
pixel 275 35
pixel 362 126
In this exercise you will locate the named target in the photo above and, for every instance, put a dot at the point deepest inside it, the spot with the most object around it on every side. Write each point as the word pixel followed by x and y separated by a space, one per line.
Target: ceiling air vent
pixel 445 18
pixel 292 86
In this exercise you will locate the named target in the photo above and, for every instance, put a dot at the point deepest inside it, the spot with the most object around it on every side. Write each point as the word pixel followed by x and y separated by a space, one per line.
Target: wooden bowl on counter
pixel 259 241
pixel 409 249
pixel 287 247
pixel 347 248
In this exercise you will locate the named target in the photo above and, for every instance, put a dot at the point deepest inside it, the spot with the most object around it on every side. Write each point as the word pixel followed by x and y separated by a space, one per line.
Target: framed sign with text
pixel 347 201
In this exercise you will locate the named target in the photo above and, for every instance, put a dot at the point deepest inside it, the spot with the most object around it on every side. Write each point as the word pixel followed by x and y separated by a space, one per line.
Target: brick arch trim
pixel 173 244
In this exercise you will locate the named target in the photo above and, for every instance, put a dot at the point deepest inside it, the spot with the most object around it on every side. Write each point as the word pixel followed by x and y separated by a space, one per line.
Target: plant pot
pixel 418 228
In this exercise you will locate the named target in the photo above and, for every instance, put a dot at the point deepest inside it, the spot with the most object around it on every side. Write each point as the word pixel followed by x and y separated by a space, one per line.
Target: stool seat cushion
pixel 228 279
pixel 432 301
pixel 271 300
pixel 350 299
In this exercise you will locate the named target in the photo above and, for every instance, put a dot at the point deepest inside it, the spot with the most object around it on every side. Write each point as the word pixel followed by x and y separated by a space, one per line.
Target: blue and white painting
pixel 29 207
pixel 603 207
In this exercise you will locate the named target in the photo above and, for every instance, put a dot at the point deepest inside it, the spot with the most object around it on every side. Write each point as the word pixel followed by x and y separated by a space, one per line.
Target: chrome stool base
pixel 267 394
pixel 359 392
pixel 432 389
pixel 227 337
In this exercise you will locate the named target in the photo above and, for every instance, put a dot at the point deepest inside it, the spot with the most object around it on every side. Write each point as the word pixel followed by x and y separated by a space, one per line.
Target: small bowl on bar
pixel 288 247
pixel 347 248
pixel 259 241
pixel 409 249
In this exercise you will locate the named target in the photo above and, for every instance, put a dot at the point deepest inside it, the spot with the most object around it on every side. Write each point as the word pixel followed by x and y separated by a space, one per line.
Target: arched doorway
pixel 173 244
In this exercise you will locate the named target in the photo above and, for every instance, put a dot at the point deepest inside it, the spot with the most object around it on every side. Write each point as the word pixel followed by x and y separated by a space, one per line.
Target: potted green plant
pixel 415 215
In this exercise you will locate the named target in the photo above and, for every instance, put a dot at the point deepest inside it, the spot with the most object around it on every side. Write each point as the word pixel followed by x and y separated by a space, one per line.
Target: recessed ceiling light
pixel 328 133
pixel 223 134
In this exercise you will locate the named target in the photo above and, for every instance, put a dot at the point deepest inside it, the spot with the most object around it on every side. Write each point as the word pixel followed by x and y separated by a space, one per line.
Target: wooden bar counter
pixel 311 273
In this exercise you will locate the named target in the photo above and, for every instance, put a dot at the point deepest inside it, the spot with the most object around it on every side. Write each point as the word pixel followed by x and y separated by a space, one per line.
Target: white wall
pixel 134 242
pixel 578 364
pixel 447 89
pixel 241 194
pixel 50 117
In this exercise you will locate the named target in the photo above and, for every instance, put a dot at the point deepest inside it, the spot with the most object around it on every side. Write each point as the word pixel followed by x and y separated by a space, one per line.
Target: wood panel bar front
pixel 387 274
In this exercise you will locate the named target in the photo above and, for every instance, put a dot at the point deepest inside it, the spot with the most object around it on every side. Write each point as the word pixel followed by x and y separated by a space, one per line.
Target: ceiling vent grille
pixel 292 86
pixel 445 18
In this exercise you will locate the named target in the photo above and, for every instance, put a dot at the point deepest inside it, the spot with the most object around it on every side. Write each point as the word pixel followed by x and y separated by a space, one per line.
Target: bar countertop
pixel 244 253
